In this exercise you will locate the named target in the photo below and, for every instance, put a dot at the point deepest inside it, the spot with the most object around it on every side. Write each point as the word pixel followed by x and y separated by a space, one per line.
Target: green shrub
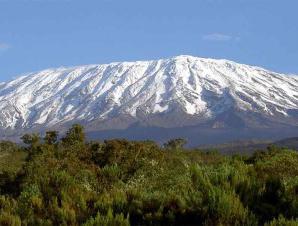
pixel 120 182
pixel 281 221
pixel 7 219
pixel 108 220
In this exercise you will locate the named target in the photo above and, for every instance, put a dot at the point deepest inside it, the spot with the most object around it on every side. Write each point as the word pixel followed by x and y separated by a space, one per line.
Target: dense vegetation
pixel 69 181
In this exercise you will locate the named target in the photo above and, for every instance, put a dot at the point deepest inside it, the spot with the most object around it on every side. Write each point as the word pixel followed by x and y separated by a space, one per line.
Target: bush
pixel 109 220
pixel 281 221
pixel 120 182
pixel 7 219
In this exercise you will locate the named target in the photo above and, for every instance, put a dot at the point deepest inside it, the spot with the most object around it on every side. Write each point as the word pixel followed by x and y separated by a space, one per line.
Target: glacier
pixel 197 87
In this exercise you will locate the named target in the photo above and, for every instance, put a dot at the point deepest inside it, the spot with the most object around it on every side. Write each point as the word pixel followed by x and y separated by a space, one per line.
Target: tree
pixel 51 137
pixel 175 144
pixel 74 135
pixel 31 139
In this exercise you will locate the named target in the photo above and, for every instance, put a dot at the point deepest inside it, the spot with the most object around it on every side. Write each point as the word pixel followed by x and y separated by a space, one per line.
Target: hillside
pixel 183 91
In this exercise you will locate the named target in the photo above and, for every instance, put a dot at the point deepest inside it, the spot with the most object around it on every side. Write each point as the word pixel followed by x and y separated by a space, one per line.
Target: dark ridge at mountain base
pixel 250 146
pixel 238 146
pixel 194 135
pixel 291 143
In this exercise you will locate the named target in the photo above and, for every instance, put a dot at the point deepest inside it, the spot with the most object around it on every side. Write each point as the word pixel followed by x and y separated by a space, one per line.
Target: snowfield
pixel 203 88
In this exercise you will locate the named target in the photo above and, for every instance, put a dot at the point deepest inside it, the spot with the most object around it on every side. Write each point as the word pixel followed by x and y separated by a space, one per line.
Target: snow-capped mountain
pixel 179 91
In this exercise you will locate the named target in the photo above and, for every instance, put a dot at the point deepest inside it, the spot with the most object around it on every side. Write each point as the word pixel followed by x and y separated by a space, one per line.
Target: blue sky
pixel 38 34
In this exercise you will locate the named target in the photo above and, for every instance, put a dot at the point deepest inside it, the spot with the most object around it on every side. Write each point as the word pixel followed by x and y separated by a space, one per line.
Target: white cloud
pixel 4 46
pixel 218 37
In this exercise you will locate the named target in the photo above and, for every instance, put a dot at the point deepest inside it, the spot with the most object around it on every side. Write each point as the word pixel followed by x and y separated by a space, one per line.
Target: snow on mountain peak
pixel 199 87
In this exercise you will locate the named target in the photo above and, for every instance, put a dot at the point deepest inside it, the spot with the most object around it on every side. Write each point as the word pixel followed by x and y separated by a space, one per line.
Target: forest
pixel 54 179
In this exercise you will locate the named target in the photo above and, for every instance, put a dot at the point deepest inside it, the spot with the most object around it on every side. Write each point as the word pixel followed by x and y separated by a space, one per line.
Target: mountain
pixel 181 96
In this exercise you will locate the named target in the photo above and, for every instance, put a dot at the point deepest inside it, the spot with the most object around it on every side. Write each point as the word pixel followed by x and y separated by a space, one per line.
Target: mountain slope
pixel 174 92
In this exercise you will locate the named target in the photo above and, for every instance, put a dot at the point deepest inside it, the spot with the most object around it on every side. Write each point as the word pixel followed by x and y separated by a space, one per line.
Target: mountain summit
pixel 170 93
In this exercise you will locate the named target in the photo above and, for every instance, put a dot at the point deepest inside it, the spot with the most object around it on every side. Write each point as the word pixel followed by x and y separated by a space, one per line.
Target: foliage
pixel 175 144
pixel 118 182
